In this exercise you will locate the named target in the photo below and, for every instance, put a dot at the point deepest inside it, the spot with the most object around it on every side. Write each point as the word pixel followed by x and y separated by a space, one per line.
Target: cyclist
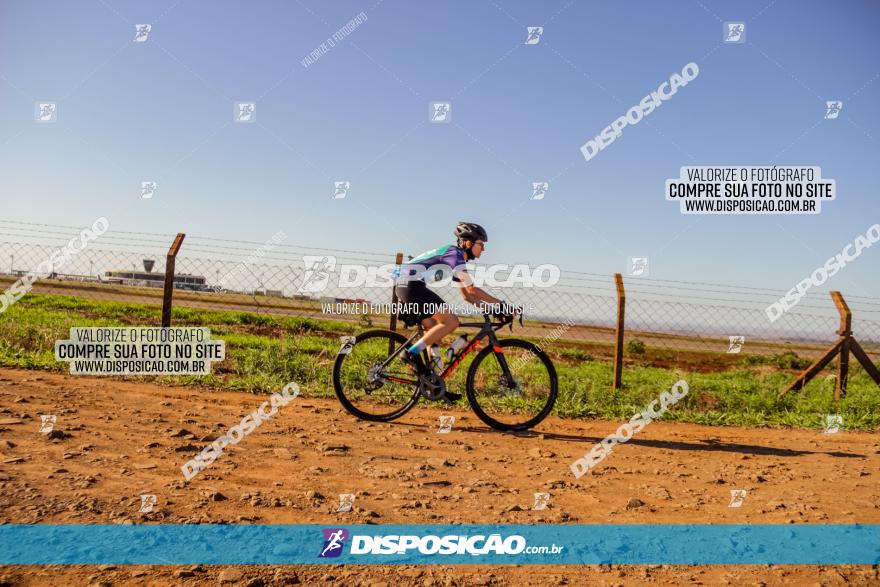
pixel 430 309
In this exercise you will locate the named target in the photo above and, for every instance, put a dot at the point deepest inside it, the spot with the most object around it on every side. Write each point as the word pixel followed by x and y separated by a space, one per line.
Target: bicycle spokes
pixel 513 387
pixel 370 383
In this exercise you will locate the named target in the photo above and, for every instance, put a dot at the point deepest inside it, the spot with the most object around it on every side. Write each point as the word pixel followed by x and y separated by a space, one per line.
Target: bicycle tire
pixel 551 396
pixel 340 391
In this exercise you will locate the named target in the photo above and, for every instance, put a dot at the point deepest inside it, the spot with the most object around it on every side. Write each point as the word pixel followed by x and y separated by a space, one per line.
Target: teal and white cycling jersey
pixel 425 267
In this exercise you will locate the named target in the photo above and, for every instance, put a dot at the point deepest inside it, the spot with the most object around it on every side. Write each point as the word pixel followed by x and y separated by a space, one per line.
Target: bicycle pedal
pixel 450 398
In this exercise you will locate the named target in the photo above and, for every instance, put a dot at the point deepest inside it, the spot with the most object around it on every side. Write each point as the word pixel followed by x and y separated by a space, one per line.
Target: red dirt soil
pixel 124 439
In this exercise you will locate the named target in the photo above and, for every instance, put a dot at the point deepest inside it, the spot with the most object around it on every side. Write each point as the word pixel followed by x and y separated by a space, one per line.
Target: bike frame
pixel 487 329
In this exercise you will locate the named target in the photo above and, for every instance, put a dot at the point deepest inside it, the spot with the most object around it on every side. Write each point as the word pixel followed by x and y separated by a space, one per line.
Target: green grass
pixel 265 352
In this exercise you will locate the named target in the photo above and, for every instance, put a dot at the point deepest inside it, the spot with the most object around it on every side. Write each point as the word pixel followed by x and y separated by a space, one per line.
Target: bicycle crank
pixel 432 387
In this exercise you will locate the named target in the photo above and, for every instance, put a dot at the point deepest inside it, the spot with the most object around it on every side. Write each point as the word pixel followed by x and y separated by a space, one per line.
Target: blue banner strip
pixel 257 544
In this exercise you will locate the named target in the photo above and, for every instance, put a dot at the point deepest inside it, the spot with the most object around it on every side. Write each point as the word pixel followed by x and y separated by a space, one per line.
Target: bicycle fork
pixel 507 379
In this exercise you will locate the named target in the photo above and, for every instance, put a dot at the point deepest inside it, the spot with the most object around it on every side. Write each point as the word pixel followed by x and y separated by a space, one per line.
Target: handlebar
pixel 496 325
pixel 507 320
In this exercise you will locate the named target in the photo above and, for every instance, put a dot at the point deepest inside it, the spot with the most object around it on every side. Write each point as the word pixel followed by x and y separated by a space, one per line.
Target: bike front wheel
pixel 517 402
pixel 367 384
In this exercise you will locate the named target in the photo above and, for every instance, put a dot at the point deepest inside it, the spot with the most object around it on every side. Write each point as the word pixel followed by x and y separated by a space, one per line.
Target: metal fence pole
pixel 169 279
pixel 618 345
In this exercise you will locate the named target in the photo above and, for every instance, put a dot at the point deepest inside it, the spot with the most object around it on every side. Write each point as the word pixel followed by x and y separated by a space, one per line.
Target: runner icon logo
pixel 47 422
pixel 148 188
pixel 534 35
pixel 317 274
pixel 147 503
pixel 446 423
pixel 346 501
pixel 832 109
pixel 833 422
pixel 539 190
pixel 737 497
pixel 142 32
pixel 341 189
pixel 638 267
pixel 334 541
pixel 440 112
pixel 245 112
pixel 734 32
pixel 542 500
pixel 46 112
pixel 736 344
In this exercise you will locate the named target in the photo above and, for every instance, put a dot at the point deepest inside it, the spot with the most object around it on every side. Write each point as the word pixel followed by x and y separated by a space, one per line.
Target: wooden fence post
pixel 842 348
pixel 393 320
pixel 618 345
pixel 169 279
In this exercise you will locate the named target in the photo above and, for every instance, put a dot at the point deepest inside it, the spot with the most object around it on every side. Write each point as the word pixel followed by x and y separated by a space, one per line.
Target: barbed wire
pixel 679 317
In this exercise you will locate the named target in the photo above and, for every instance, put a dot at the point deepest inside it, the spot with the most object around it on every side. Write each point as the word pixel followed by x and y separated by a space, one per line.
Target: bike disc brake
pixel 375 378
pixel 511 388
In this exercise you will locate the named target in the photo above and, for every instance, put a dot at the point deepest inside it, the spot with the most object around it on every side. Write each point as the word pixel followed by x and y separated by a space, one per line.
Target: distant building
pixel 145 279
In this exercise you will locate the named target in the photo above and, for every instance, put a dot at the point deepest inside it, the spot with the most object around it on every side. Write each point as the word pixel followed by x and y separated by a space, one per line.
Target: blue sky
pixel 163 110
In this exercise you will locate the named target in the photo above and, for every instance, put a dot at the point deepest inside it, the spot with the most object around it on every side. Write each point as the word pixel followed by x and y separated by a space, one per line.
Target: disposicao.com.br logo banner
pixel 480 544
pixel 383 544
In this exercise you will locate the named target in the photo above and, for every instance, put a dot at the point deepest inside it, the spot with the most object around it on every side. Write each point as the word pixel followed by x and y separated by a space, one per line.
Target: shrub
pixel 757 359
pixel 575 354
pixel 635 347
pixel 791 360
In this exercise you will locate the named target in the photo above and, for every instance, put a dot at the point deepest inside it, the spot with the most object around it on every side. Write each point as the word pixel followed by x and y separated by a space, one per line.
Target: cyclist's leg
pixel 437 320
pixel 445 323
pixel 437 324
pixel 422 304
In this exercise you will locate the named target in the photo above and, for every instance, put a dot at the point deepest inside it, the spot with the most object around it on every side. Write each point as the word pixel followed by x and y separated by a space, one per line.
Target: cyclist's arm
pixel 470 292
pixel 474 295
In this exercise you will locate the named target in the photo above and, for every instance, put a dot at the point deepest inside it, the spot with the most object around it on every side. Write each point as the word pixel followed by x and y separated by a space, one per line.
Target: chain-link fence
pixel 673 324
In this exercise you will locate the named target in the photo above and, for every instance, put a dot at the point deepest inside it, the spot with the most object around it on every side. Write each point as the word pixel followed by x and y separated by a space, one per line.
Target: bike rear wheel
pixel 512 405
pixel 367 389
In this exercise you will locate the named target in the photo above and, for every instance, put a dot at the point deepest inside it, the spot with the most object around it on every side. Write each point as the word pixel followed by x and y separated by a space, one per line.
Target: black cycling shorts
pixel 419 302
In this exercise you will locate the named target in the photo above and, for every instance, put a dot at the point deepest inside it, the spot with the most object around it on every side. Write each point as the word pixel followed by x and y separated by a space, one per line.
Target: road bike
pixel 511 383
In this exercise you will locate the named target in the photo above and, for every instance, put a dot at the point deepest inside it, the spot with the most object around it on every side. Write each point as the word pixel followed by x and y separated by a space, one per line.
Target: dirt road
pixel 120 440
